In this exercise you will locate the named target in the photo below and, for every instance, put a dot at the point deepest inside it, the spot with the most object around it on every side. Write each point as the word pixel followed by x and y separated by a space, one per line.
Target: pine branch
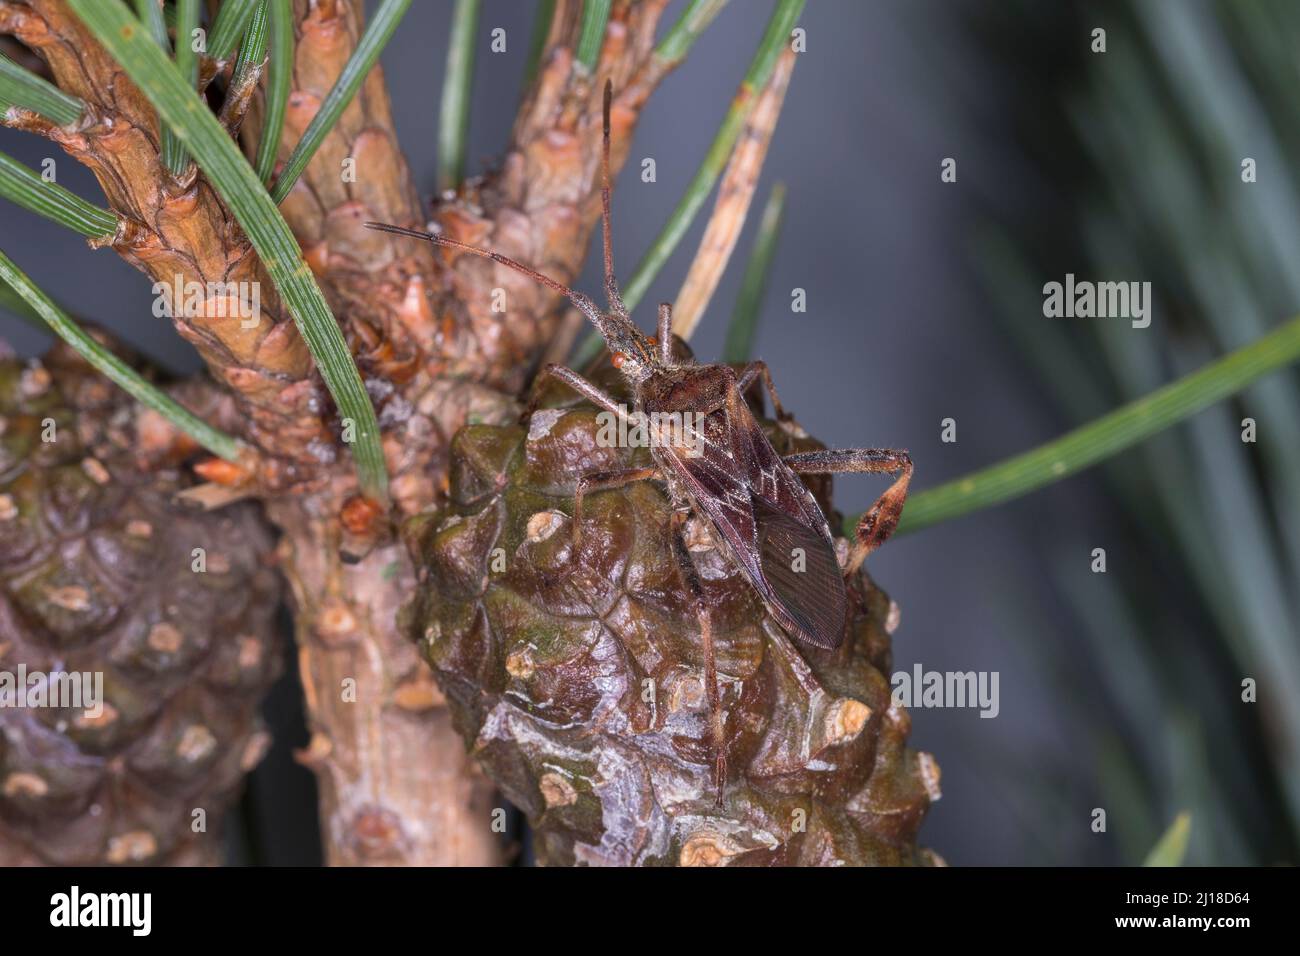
pixel 378 32
pixel 238 186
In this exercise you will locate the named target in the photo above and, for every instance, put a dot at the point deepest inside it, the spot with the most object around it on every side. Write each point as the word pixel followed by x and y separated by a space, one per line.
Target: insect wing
pixel 804 576
pixel 771 526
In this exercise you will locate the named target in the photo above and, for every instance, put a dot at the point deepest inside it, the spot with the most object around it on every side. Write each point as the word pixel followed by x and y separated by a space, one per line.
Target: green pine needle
pixel 253 49
pixel 114 368
pixel 237 184
pixel 453 116
pixel 150 13
pixel 232 21
pixel 591 34
pixel 672 49
pixel 739 345
pixel 541 30
pixel 371 44
pixel 16 305
pixel 1172 847
pixel 774 40
pixel 187 63
pixel 26 188
pixel 24 89
pixel 279 82
pixel 1104 437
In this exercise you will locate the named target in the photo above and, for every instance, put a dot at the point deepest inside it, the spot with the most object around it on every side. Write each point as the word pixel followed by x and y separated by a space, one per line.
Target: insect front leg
pixel 882 517
pixel 692 581
pixel 603 481
pixel 576 382
pixel 755 369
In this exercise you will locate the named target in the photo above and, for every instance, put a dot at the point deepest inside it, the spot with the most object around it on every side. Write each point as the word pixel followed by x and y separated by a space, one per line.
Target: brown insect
pixel 761 513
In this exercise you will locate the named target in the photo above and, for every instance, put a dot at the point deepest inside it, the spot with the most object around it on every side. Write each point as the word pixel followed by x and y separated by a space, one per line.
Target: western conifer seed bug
pixel 762 516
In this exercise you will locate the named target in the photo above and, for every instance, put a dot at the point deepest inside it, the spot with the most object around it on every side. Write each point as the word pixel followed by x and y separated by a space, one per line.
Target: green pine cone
pixel 97 576
pixel 577 680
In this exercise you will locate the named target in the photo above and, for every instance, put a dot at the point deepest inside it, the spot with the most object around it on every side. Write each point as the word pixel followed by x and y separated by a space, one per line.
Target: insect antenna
pixel 581 302
pixel 612 293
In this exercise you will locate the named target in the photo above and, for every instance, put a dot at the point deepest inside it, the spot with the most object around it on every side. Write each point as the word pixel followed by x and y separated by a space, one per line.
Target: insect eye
pixel 653 340
pixel 617 359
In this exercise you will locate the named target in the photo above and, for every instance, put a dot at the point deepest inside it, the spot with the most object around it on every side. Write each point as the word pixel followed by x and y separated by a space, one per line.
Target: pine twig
pixel 372 42
pixel 234 180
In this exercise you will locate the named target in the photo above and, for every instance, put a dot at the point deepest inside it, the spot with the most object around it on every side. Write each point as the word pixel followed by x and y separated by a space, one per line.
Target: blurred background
pixel 1120 691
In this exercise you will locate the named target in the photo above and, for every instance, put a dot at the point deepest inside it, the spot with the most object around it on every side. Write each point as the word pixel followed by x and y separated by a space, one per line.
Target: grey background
pixel 897 337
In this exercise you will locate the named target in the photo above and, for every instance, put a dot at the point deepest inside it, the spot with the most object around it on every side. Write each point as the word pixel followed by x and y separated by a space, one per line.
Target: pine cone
pixel 578 681
pixel 96 575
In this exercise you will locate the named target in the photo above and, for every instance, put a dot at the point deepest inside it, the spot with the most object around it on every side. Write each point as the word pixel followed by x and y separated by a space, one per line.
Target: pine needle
pixel 1100 439
pixel 237 184
pixel 26 188
pixel 453 115
pixel 24 89
pixel 591 33
pixel 731 208
pixel 741 330
pixel 114 368
pixel 278 85
pixel 775 39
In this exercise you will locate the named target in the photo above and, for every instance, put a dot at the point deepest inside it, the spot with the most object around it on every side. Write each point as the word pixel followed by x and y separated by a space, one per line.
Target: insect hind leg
pixel 882 517
pixel 692 581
